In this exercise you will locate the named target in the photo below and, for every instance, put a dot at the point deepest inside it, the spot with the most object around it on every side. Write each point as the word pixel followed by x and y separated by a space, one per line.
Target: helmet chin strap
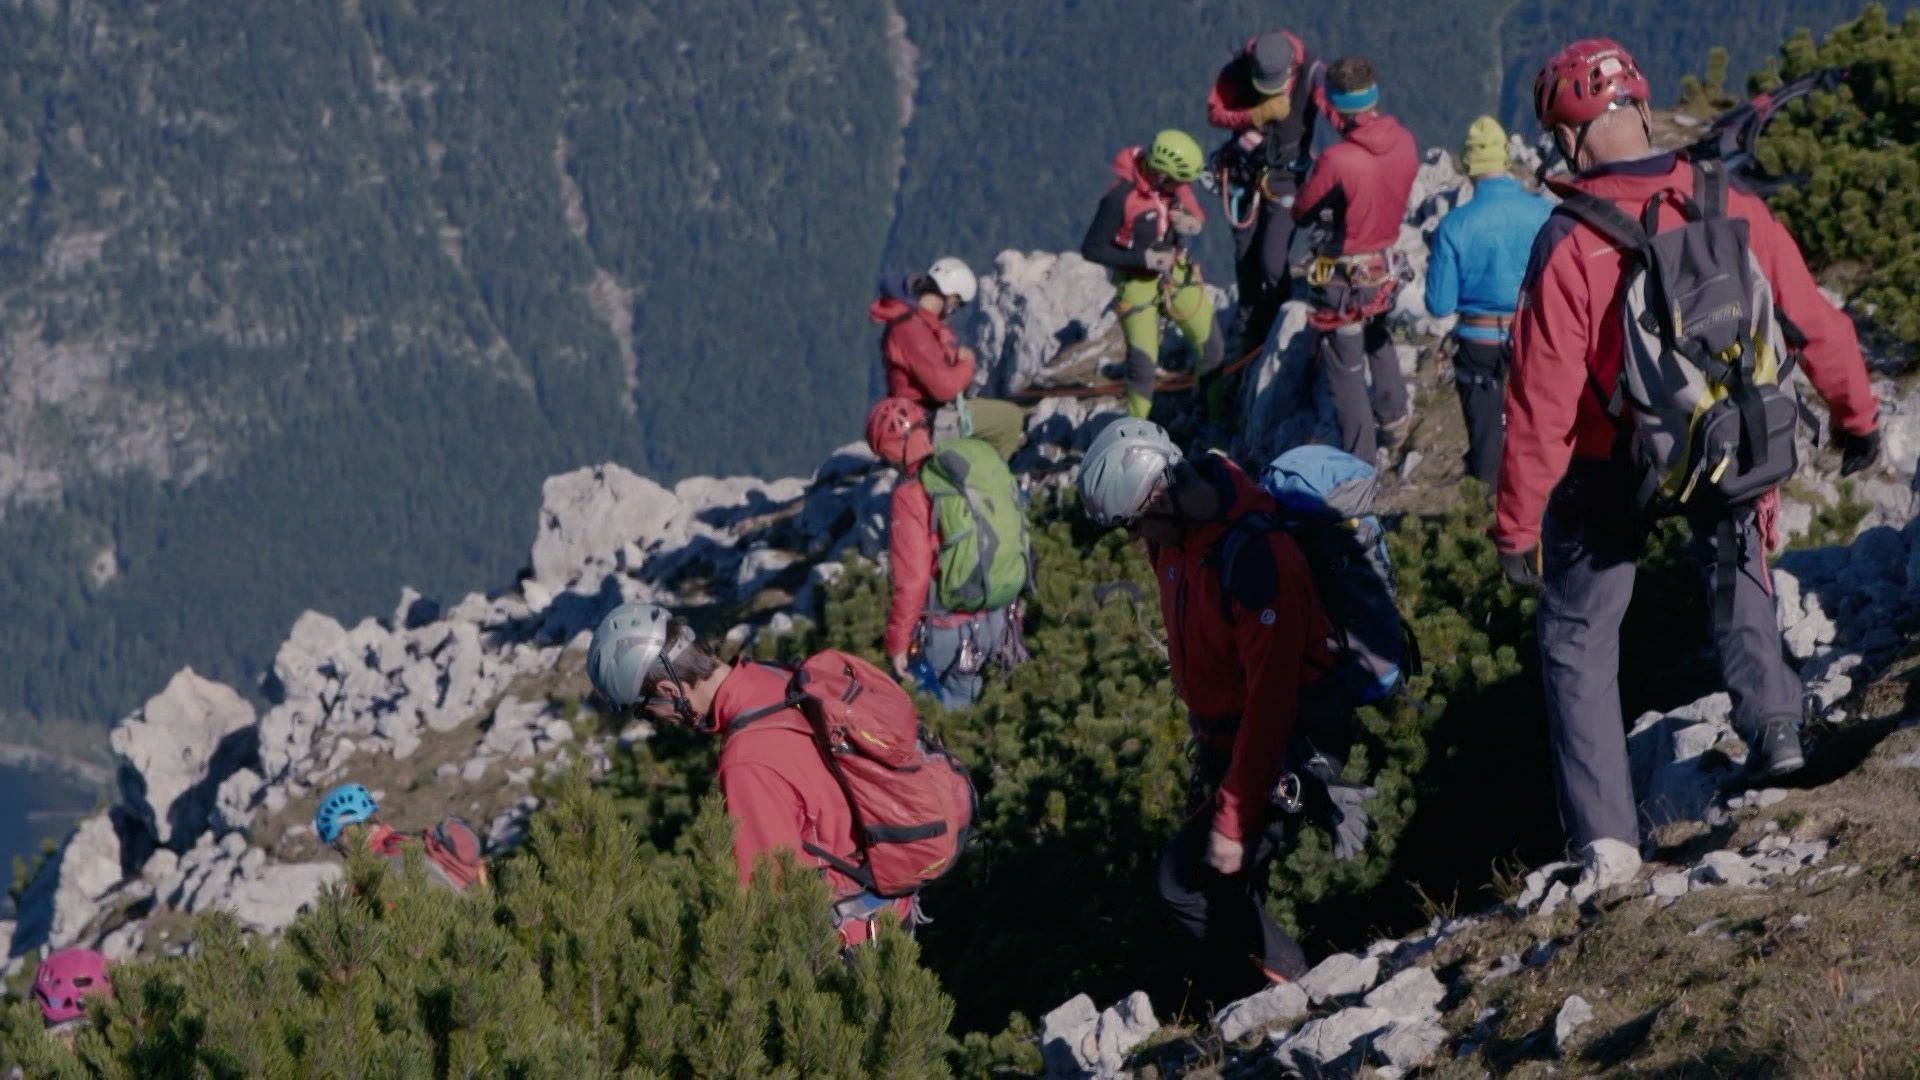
pixel 682 704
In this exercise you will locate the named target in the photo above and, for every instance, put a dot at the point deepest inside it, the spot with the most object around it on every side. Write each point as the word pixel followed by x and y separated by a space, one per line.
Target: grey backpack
pixel 1706 355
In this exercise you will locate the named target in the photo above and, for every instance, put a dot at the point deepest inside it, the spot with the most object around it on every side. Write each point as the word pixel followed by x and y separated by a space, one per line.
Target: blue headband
pixel 1355 100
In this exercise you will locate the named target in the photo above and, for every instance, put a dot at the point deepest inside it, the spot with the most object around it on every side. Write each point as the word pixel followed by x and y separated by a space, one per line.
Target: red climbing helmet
pixel 67 977
pixel 1585 79
pixel 898 431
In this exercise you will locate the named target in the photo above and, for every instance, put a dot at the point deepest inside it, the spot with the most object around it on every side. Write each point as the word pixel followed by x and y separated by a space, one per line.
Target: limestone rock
pixel 1410 1044
pixel 1275 1007
pixel 587 516
pixel 1341 975
pixel 1030 306
pixel 1574 1014
pixel 268 902
pixel 1414 994
pixel 1336 1045
pixel 1061 1032
pixel 176 751
pixel 64 897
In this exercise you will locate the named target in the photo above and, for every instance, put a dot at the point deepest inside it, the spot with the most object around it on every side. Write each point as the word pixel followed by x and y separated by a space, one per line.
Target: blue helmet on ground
pixel 342 806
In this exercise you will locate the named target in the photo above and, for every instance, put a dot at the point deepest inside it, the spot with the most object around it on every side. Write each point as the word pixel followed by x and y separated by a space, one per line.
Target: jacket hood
pixel 1377 134
pixel 1242 493
pixel 1632 181
pixel 888 308
pixel 1126 167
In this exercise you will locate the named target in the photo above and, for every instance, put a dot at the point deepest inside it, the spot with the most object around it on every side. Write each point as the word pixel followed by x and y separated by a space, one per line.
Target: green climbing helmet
pixel 1175 154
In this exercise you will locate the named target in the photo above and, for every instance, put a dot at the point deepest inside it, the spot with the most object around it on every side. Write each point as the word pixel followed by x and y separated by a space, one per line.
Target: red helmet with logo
pixel 898 431
pixel 1585 79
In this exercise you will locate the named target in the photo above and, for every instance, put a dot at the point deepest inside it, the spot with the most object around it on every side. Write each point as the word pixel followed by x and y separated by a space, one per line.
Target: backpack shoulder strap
pixel 1606 219
pixel 1710 185
pixel 794 696
pixel 1250 582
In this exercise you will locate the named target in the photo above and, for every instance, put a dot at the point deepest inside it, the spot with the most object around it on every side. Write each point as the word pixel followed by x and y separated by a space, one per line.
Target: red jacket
pixel 1567 338
pixel 778 791
pixel 920 353
pixel 1364 179
pixel 1240 668
pixel 1144 198
pixel 913 550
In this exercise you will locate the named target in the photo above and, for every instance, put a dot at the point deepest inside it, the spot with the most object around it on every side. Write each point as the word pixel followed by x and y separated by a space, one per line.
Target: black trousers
pixel 1262 267
pixel 1480 377
pixel 1227 915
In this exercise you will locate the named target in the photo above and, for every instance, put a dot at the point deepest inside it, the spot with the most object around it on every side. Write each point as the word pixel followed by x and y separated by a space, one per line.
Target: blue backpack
pixel 1325 498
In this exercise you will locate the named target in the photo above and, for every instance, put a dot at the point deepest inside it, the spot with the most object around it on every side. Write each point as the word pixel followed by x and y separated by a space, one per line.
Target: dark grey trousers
pixel 1347 356
pixel 1227 916
pixel 1480 377
pixel 1590 540
pixel 959 654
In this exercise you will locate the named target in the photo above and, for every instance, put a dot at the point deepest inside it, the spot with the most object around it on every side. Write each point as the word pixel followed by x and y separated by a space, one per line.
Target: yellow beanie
pixel 1486 148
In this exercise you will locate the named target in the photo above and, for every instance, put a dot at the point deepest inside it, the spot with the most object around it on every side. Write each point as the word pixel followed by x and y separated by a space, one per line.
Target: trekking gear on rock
pixel 1325 499
pixel 627 644
pixel 1584 80
pixel 1175 155
pixel 955 279
pixel 984 553
pixel 913 803
pixel 65 979
pixel 451 850
pixel 1123 469
pixel 899 432
pixel 1702 418
pixel 343 806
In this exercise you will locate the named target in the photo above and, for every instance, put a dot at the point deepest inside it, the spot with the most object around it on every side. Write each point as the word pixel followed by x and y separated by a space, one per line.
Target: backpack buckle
pixel 1288 794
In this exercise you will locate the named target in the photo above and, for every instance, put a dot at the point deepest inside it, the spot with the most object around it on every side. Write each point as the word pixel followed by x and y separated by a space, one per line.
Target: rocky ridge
pixel 459 707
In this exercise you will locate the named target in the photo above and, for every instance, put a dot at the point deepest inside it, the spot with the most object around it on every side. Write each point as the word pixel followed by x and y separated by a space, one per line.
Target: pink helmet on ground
pixel 1584 80
pixel 65 979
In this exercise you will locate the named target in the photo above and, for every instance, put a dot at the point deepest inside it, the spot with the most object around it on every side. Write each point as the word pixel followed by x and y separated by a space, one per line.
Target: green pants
pixel 1000 424
pixel 1140 302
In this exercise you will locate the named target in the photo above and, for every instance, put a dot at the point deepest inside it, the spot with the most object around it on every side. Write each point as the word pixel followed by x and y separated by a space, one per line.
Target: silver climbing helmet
pixel 627 645
pixel 1126 465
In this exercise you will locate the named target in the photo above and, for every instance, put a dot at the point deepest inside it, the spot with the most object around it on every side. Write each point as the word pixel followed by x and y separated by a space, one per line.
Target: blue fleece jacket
pixel 1480 253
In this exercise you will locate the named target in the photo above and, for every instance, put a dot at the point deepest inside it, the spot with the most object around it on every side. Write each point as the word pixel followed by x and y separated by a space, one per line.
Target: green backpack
pixel 984 552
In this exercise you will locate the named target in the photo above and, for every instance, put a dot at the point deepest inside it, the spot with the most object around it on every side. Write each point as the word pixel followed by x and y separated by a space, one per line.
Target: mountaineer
pixel 1269 97
pixel 1140 234
pixel 820 761
pixel 1659 318
pixel 957 554
pixel 924 362
pixel 1478 259
pixel 1355 200
pixel 1248 641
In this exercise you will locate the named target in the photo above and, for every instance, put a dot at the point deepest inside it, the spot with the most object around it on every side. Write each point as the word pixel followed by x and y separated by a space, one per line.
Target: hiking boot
pixel 1777 751
pixel 1393 433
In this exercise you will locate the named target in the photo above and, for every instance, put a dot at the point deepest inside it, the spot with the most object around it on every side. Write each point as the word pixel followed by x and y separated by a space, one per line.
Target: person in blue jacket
pixel 1480 253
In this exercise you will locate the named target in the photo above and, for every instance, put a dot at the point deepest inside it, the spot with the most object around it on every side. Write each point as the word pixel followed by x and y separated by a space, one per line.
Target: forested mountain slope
pixel 376 268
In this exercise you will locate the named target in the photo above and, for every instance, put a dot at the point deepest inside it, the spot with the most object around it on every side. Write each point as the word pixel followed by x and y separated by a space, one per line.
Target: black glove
pixel 1522 568
pixel 1857 451
pixel 1337 806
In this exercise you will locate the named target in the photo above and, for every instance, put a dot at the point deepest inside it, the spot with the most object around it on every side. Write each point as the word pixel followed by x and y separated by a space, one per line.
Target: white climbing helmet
pixel 1126 465
pixel 954 279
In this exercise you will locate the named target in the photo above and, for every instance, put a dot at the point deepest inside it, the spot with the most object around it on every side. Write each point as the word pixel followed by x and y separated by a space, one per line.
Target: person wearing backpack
pixel 827 761
pixel 1354 201
pixel 1479 256
pixel 1617 414
pixel 1243 651
pixel 957 553
pixel 923 360
pixel 346 818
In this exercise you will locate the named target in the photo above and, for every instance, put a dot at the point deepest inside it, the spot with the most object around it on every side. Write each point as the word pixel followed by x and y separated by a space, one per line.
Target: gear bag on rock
pixel 1704 422
pixel 913 802
pixel 984 552
pixel 451 851
pixel 1325 499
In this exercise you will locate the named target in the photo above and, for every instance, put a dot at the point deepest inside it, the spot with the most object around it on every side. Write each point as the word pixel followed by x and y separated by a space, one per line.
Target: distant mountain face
pixel 274 276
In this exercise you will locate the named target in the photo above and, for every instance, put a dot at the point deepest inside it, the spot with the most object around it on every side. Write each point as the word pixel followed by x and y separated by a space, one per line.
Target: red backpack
pixel 913 803
pixel 451 850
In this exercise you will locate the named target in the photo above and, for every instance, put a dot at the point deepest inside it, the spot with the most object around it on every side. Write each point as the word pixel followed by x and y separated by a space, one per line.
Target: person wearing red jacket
pixel 1269 96
pixel 956 645
pixel 1566 517
pixel 1242 652
pixel 778 791
pixel 923 361
pixel 1355 200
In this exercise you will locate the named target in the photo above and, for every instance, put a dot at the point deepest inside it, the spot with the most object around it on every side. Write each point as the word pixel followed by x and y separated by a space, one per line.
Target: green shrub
pixel 590 957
